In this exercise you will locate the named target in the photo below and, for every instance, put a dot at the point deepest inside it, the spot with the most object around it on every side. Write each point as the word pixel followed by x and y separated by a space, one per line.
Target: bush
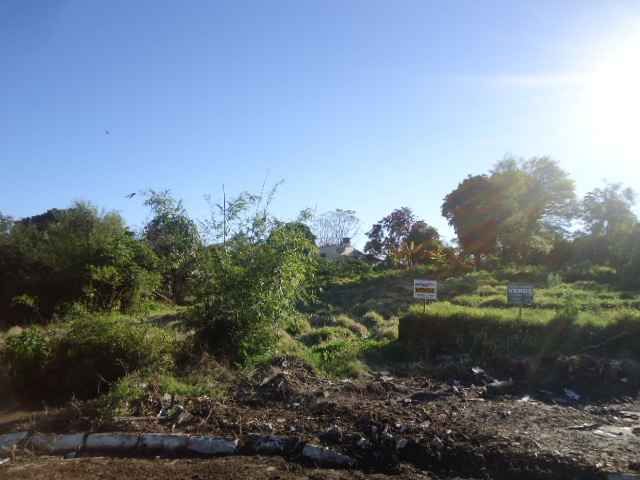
pixel 350 324
pixel 553 280
pixel 83 357
pixel 340 358
pixel 373 320
pixel 27 355
pixel 297 324
pixel 388 331
pixel 350 268
pixel 487 290
pixel 491 334
pixel 586 271
pixel 326 334
pixel 250 289
pixel 466 284
pixel 51 261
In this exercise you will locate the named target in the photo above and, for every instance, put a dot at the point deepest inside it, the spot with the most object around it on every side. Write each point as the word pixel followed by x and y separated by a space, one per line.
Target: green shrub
pixel 27 356
pixel 326 334
pixel 77 255
pixel 340 358
pixel 350 324
pixel 83 357
pixel 249 291
pixel 553 280
pixel 487 290
pixel 586 271
pixel 389 331
pixel 331 271
pixel 297 324
pixel 467 284
pixel 373 320
pixel 523 273
pixel 490 333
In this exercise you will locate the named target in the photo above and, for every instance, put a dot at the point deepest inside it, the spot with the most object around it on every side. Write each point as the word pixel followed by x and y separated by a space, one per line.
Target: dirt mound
pixel 285 379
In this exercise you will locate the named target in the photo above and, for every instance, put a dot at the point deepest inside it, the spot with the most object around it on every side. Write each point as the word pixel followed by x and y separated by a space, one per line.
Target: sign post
pixel 426 290
pixel 520 294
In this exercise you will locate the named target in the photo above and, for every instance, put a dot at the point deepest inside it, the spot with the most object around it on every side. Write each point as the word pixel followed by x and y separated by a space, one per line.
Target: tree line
pixel 522 212
pixel 243 267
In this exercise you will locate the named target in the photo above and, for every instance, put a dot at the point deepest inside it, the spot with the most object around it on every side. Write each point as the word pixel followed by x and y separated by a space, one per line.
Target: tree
pixel 609 221
pixel 402 239
pixel 331 228
pixel 471 209
pixel 77 255
pixel 6 223
pixel 536 199
pixel 516 211
pixel 248 287
pixel 174 237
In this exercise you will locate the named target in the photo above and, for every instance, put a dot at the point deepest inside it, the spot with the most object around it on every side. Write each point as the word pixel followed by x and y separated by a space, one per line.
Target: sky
pixel 364 105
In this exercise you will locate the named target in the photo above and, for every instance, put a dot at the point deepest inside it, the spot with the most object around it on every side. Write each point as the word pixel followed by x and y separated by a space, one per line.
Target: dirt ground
pixel 400 427
pixel 232 468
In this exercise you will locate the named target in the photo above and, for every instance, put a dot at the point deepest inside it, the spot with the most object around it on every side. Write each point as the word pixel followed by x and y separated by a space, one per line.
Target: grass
pixel 496 332
pixel 355 327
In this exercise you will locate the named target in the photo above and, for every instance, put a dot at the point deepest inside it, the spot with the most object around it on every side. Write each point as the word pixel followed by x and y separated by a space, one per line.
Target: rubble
pixel 324 457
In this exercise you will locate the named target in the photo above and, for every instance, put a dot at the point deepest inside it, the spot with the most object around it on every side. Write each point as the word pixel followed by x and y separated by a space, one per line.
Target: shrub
pixel 495 333
pixel 27 356
pixel 350 268
pixel 588 272
pixel 553 280
pixel 466 284
pixel 250 289
pixel 388 331
pixel 85 356
pixel 297 324
pixel 372 320
pixel 487 290
pixel 350 324
pixel 340 357
pixel 326 334
pixel 523 273
pixel 77 255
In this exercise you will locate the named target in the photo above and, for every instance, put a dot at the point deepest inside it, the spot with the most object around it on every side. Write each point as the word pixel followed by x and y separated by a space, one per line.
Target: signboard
pixel 425 289
pixel 520 294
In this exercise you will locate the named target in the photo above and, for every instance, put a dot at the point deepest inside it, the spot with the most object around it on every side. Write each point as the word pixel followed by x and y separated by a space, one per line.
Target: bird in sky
pixel 131 195
pixel 107 132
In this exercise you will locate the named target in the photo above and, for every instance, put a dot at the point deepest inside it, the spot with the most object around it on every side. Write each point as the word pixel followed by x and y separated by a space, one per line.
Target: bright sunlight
pixel 615 95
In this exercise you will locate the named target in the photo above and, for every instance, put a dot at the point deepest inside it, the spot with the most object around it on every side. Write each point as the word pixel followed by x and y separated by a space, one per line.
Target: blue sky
pixel 367 105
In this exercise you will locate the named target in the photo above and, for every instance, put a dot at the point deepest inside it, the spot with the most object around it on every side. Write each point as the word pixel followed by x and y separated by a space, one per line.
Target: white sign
pixel 520 294
pixel 425 289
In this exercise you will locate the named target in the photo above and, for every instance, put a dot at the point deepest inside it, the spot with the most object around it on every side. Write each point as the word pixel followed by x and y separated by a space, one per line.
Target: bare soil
pixel 232 468
pixel 405 427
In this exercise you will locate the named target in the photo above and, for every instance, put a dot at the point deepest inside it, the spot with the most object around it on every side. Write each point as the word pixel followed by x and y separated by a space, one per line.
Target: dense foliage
pixel 249 287
pixel 76 256
pixel 81 358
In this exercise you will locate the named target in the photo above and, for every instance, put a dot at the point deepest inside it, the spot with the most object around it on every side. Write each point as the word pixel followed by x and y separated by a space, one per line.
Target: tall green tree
pixel 516 211
pixel 471 209
pixel 175 239
pixel 609 220
pixel 77 255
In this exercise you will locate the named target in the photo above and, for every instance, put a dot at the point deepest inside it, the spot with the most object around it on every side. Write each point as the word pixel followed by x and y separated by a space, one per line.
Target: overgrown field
pixel 350 330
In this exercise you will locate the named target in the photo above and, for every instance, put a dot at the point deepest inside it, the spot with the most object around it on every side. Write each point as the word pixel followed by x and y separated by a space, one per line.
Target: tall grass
pixel 495 332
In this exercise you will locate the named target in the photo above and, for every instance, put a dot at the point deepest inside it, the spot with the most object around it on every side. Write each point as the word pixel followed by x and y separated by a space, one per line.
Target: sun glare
pixel 614 96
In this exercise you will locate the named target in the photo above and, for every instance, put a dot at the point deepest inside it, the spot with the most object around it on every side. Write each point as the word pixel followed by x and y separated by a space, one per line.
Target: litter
pixel 584 426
